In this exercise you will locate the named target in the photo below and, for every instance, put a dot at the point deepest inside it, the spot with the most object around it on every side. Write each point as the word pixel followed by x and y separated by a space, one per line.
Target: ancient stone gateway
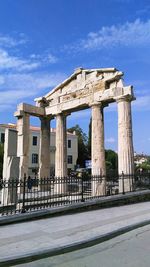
pixel 94 88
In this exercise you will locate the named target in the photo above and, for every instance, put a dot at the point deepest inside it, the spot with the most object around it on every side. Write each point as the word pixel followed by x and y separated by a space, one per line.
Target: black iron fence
pixel 29 194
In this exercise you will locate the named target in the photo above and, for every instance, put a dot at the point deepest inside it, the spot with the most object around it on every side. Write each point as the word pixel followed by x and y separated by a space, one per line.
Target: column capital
pixel 63 114
pixel 99 104
pixel 49 117
pixel 19 113
pixel 127 98
pixel 95 104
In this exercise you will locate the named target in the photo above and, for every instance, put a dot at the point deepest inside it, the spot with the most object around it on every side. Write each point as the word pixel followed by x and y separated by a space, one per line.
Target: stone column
pixel 61 153
pixel 44 152
pixel 125 145
pixel 98 151
pixel 23 128
pixel 10 168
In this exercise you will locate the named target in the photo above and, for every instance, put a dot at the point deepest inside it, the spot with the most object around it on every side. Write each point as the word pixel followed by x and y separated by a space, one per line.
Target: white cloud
pixel 127 34
pixel 144 10
pixel 7 41
pixel 31 81
pixel 10 60
pixel 13 62
pixel 142 103
pixel 45 58
pixel 51 58
pixel 22 64
pixel 17 81
pixel 142 94
pixel 110 140
pixel 2 80
pixel 18 87
pixel 6 107
pixel 10 97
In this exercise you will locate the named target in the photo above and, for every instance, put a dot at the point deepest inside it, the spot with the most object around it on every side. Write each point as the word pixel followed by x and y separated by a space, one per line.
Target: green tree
pixel 148 160
pixel 145 166
pixel 82 144
pixel 111 159
pixel 1 159
pixel 89 139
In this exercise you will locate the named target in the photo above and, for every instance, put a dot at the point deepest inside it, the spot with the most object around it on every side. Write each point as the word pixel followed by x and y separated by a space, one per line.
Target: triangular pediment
pixel 82 79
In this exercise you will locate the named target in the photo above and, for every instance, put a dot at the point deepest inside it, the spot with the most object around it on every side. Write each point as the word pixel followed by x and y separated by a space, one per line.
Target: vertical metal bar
pixel 82 196
pixel 23 200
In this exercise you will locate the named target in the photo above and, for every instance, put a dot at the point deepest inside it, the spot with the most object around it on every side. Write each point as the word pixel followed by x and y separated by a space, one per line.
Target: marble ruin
pixel 10 166
pixel 85 88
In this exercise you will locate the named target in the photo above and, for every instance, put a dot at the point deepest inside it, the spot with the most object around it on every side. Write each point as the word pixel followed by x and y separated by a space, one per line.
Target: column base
pixel 99 188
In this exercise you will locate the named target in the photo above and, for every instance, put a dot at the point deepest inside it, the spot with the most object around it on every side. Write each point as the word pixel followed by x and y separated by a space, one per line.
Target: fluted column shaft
pixel 44 153
pixel 61 146
pixel 125 144
pixel 23 126
pixel 61 155
pixel 98 150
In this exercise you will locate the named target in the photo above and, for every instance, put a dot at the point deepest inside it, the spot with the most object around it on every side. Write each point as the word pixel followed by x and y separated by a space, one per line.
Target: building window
pixel 2 138
pixel 69 143
pixel 35 158
pixel 69 159
pixel 34 142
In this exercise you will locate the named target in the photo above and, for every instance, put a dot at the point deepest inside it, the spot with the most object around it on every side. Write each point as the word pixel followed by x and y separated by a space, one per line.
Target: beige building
pixel 34 145
pixel 140 159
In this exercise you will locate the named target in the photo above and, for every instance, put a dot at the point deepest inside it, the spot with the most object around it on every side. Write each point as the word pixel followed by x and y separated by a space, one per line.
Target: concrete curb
pixel 103 202
pixel 26 258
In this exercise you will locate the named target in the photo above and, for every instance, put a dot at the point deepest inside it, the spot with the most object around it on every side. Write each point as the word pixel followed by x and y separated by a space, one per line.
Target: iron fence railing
pixel 29 194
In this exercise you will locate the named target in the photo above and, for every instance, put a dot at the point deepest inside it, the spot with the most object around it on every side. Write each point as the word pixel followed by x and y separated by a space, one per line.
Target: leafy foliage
pixel 84 149
pixel 82 144
pixel 145 166
pixel 89 139
pixel 111 158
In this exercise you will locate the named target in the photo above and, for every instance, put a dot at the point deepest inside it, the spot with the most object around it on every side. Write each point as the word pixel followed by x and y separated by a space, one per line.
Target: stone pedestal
pixel 125 145
pixel 23 143
pixel 98 151
pixel 44 153
pixel 61 153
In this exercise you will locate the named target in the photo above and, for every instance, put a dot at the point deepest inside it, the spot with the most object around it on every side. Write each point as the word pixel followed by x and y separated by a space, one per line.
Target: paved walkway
pixel 53 234
pixel 128 250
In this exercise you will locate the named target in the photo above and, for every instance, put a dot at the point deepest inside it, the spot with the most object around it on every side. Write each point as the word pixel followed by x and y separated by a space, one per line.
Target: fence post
pixel 24 191
pixel 82 196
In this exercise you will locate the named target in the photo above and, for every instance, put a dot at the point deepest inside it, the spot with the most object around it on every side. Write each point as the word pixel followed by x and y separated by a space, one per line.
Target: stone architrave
pixel 61 154
pixel 23 143
pixel 44 153
pixel 10 168
pixel 125 145
pixel 98 151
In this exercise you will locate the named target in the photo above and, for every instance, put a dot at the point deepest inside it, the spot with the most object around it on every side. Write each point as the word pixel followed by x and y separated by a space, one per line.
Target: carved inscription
pixel 89 89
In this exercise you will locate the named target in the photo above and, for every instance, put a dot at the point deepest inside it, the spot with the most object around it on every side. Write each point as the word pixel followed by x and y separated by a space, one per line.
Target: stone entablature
pixel 83 89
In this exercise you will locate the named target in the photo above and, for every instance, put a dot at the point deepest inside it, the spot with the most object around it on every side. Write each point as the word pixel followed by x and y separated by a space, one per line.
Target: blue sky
pixel 43 41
